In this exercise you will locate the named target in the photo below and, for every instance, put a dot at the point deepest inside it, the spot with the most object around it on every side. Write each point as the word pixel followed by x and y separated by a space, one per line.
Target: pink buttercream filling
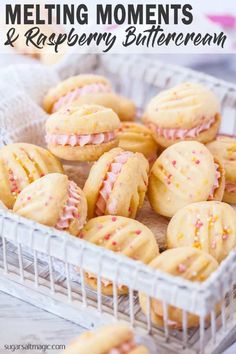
pixel 216 182
pixel 80 140
pixel 82 91
pixel 156 308
pixel 151 158
pixel 230 187
pixel 124 348
pixel 175 133
pixel 108 184
pixel 70 210
pixel 105 282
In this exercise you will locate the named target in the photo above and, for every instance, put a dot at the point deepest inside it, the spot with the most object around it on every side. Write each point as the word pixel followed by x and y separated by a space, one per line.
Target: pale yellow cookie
pixel 122 235
pixel 188 263
pixel 84 89
pixel 20 165
pixel 117 184
pixel 184 173
pixel 20 44
pixel 136 137
pixel 110 339
pixel 188 111
pixel 208 226
pixel 45 54
pixel 54 200
pixel 82 133
pixel 49 57
pixel 224 147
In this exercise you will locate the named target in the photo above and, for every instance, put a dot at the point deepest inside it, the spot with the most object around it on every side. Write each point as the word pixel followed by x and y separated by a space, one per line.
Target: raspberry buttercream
pixel 109 181
pixel 80 139
pixel 172 133
pixel 81 91
pixel 216 182
pixel 70 210
pixel 230 187
pixel 123 348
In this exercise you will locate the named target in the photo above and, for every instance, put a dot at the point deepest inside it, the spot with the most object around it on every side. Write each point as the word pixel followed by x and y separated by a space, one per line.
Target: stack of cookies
pixel 174 158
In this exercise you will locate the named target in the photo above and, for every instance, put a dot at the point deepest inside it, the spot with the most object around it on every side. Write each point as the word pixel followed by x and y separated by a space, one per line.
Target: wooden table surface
pixel 21 323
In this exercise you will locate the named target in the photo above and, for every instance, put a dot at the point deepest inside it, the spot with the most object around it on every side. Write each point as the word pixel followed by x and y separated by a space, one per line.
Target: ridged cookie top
pixel 85 119
pixel 184 173
pixel 184 106
pixel 186 262
pixel 20 165
pixel 117 184
pixel 70 84
pixel 224 147
pixel 123 235
pixel 136 137
pixel 55 201
pixel 208 226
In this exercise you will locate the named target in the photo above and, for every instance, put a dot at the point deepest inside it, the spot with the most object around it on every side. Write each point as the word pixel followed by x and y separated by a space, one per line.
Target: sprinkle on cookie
pixel 182 268
pixel 107 236
pixel 198 224
pixel 197 244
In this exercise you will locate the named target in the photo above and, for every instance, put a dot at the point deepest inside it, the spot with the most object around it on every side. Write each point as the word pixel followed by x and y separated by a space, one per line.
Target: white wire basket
pixel 46 267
